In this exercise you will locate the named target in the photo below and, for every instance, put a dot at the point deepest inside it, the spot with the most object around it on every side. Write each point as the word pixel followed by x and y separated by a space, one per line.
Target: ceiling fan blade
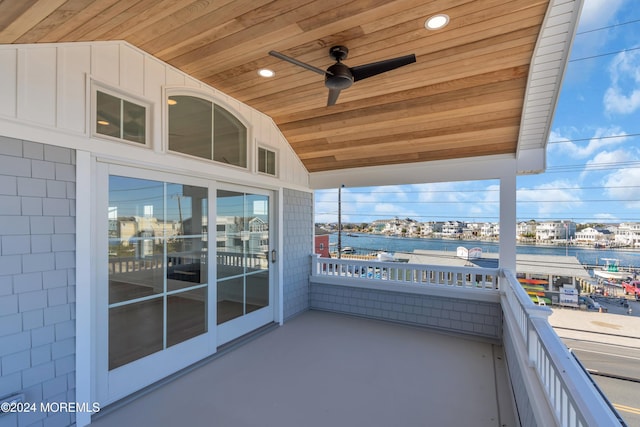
pixel 369 70
pixel 333 97
pixel 296 62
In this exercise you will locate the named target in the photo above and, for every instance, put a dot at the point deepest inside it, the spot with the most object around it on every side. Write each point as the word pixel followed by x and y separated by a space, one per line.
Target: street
pixel 608 346
pixel 616 370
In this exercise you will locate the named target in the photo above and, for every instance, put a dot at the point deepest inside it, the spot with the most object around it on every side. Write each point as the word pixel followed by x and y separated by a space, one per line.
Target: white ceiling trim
pixel 545 81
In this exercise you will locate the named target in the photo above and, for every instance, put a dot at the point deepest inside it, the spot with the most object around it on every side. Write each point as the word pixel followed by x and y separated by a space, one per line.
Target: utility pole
pixel 340 221
pixel 179 197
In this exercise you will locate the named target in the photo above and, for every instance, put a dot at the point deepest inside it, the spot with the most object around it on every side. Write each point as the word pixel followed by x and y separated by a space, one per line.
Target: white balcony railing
pixel 421 275
pixel 551 371
pixel 558 388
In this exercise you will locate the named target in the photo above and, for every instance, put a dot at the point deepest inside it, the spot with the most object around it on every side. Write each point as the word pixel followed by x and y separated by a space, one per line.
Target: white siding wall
pixel 46 99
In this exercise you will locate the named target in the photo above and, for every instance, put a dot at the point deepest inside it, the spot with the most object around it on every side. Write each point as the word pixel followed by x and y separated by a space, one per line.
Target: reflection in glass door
pixel 157 266
pixel 242 244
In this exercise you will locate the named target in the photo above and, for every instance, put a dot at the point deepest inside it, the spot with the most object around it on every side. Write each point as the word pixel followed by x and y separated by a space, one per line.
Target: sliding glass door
pixel 158 309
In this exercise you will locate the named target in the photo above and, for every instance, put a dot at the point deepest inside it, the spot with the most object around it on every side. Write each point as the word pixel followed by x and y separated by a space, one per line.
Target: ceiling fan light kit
pixel 339 76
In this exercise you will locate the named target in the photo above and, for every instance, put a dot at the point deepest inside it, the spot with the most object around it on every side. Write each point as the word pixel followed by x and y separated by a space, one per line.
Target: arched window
pixel 200 128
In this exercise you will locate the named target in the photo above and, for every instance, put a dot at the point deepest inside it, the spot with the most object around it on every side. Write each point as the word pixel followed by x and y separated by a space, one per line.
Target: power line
pixel 608 27
pixel 601 55
pixel 564 141
pixel 522 215
pixel 523 190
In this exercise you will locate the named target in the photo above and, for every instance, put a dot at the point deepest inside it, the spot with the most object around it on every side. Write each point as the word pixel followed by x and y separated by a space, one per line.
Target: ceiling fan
pixel 339 76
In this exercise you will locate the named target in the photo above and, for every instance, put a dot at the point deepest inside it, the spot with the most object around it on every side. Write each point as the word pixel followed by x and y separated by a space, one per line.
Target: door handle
pixel 274 257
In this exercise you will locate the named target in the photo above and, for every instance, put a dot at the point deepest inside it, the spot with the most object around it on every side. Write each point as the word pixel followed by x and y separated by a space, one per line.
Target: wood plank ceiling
pixel 463 97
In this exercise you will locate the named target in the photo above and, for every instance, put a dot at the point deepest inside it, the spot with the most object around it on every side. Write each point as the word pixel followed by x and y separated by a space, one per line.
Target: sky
pixel 593 152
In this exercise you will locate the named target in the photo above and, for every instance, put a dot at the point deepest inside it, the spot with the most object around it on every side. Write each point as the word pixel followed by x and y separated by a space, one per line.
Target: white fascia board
pixel 467 169
pixel 558 31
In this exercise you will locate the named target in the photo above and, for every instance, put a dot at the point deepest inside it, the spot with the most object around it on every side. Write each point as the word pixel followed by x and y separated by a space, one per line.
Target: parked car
pixel 589 302
pixel 632 287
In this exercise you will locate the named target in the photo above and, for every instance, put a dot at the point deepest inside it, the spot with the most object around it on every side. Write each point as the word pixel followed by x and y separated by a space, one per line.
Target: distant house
pixel 591 235
pixel 526 229
pixel 379 225
pixel 452 229
pixel 321 242
pixel 555 230
pixel 628 234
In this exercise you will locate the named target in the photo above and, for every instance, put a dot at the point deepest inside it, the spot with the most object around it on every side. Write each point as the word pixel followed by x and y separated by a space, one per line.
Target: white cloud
pixel 622 185
pixel 596 13
pixel 390 210
pixel 606 217
pixel 326 205
pixel 605 159
pixel 602 137
pixel 623 95
pixel 548 200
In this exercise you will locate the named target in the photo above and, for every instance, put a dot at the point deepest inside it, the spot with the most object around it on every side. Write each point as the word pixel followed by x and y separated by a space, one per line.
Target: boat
pixel 610 271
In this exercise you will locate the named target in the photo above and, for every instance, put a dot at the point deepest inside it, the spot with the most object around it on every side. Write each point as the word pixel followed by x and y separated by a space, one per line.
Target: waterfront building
pixel 594 236
pixel 379 225
pixel 401 227
pixel 430 228
pixel 452 229
pixel 628 234
pixel 321 242
pixel 549 231
pixel 526 229
pixel 490 230
pixel 471 230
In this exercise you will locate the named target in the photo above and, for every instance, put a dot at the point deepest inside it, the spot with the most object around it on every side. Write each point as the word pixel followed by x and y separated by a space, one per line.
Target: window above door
pixel 120 117
pixel 199 127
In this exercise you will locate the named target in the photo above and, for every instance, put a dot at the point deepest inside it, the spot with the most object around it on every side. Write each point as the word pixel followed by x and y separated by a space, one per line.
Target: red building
pixel 321 242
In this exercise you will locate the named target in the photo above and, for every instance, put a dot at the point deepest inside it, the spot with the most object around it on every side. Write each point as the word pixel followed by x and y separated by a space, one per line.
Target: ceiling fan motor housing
pixel 338 76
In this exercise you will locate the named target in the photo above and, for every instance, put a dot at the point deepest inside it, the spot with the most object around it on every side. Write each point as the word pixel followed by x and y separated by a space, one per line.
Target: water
pixel 585 255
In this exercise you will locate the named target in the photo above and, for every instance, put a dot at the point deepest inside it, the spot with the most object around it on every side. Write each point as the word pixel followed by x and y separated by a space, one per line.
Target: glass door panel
pixel 230 299
pixel 186 315
pixel 157 266
pixel 242 245
pixel 135 258
pixel 135 331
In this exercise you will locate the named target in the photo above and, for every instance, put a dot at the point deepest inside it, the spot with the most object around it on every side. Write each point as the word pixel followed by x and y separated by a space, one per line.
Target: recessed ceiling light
pixel 436 22
pixel 103 122
pixel 171 101
pixel 265 72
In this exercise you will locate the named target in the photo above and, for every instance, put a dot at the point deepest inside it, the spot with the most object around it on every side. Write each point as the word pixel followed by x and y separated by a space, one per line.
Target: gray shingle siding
pixel 37 266
pixel 298 245
pixel 475 318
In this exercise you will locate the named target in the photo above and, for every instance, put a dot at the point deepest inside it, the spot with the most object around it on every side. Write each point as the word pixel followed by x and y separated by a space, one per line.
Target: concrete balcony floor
pixel 327 369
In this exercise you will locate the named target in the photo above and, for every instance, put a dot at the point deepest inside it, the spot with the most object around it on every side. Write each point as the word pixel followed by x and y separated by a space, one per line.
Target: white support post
pixel 508 219
pixel 84 297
